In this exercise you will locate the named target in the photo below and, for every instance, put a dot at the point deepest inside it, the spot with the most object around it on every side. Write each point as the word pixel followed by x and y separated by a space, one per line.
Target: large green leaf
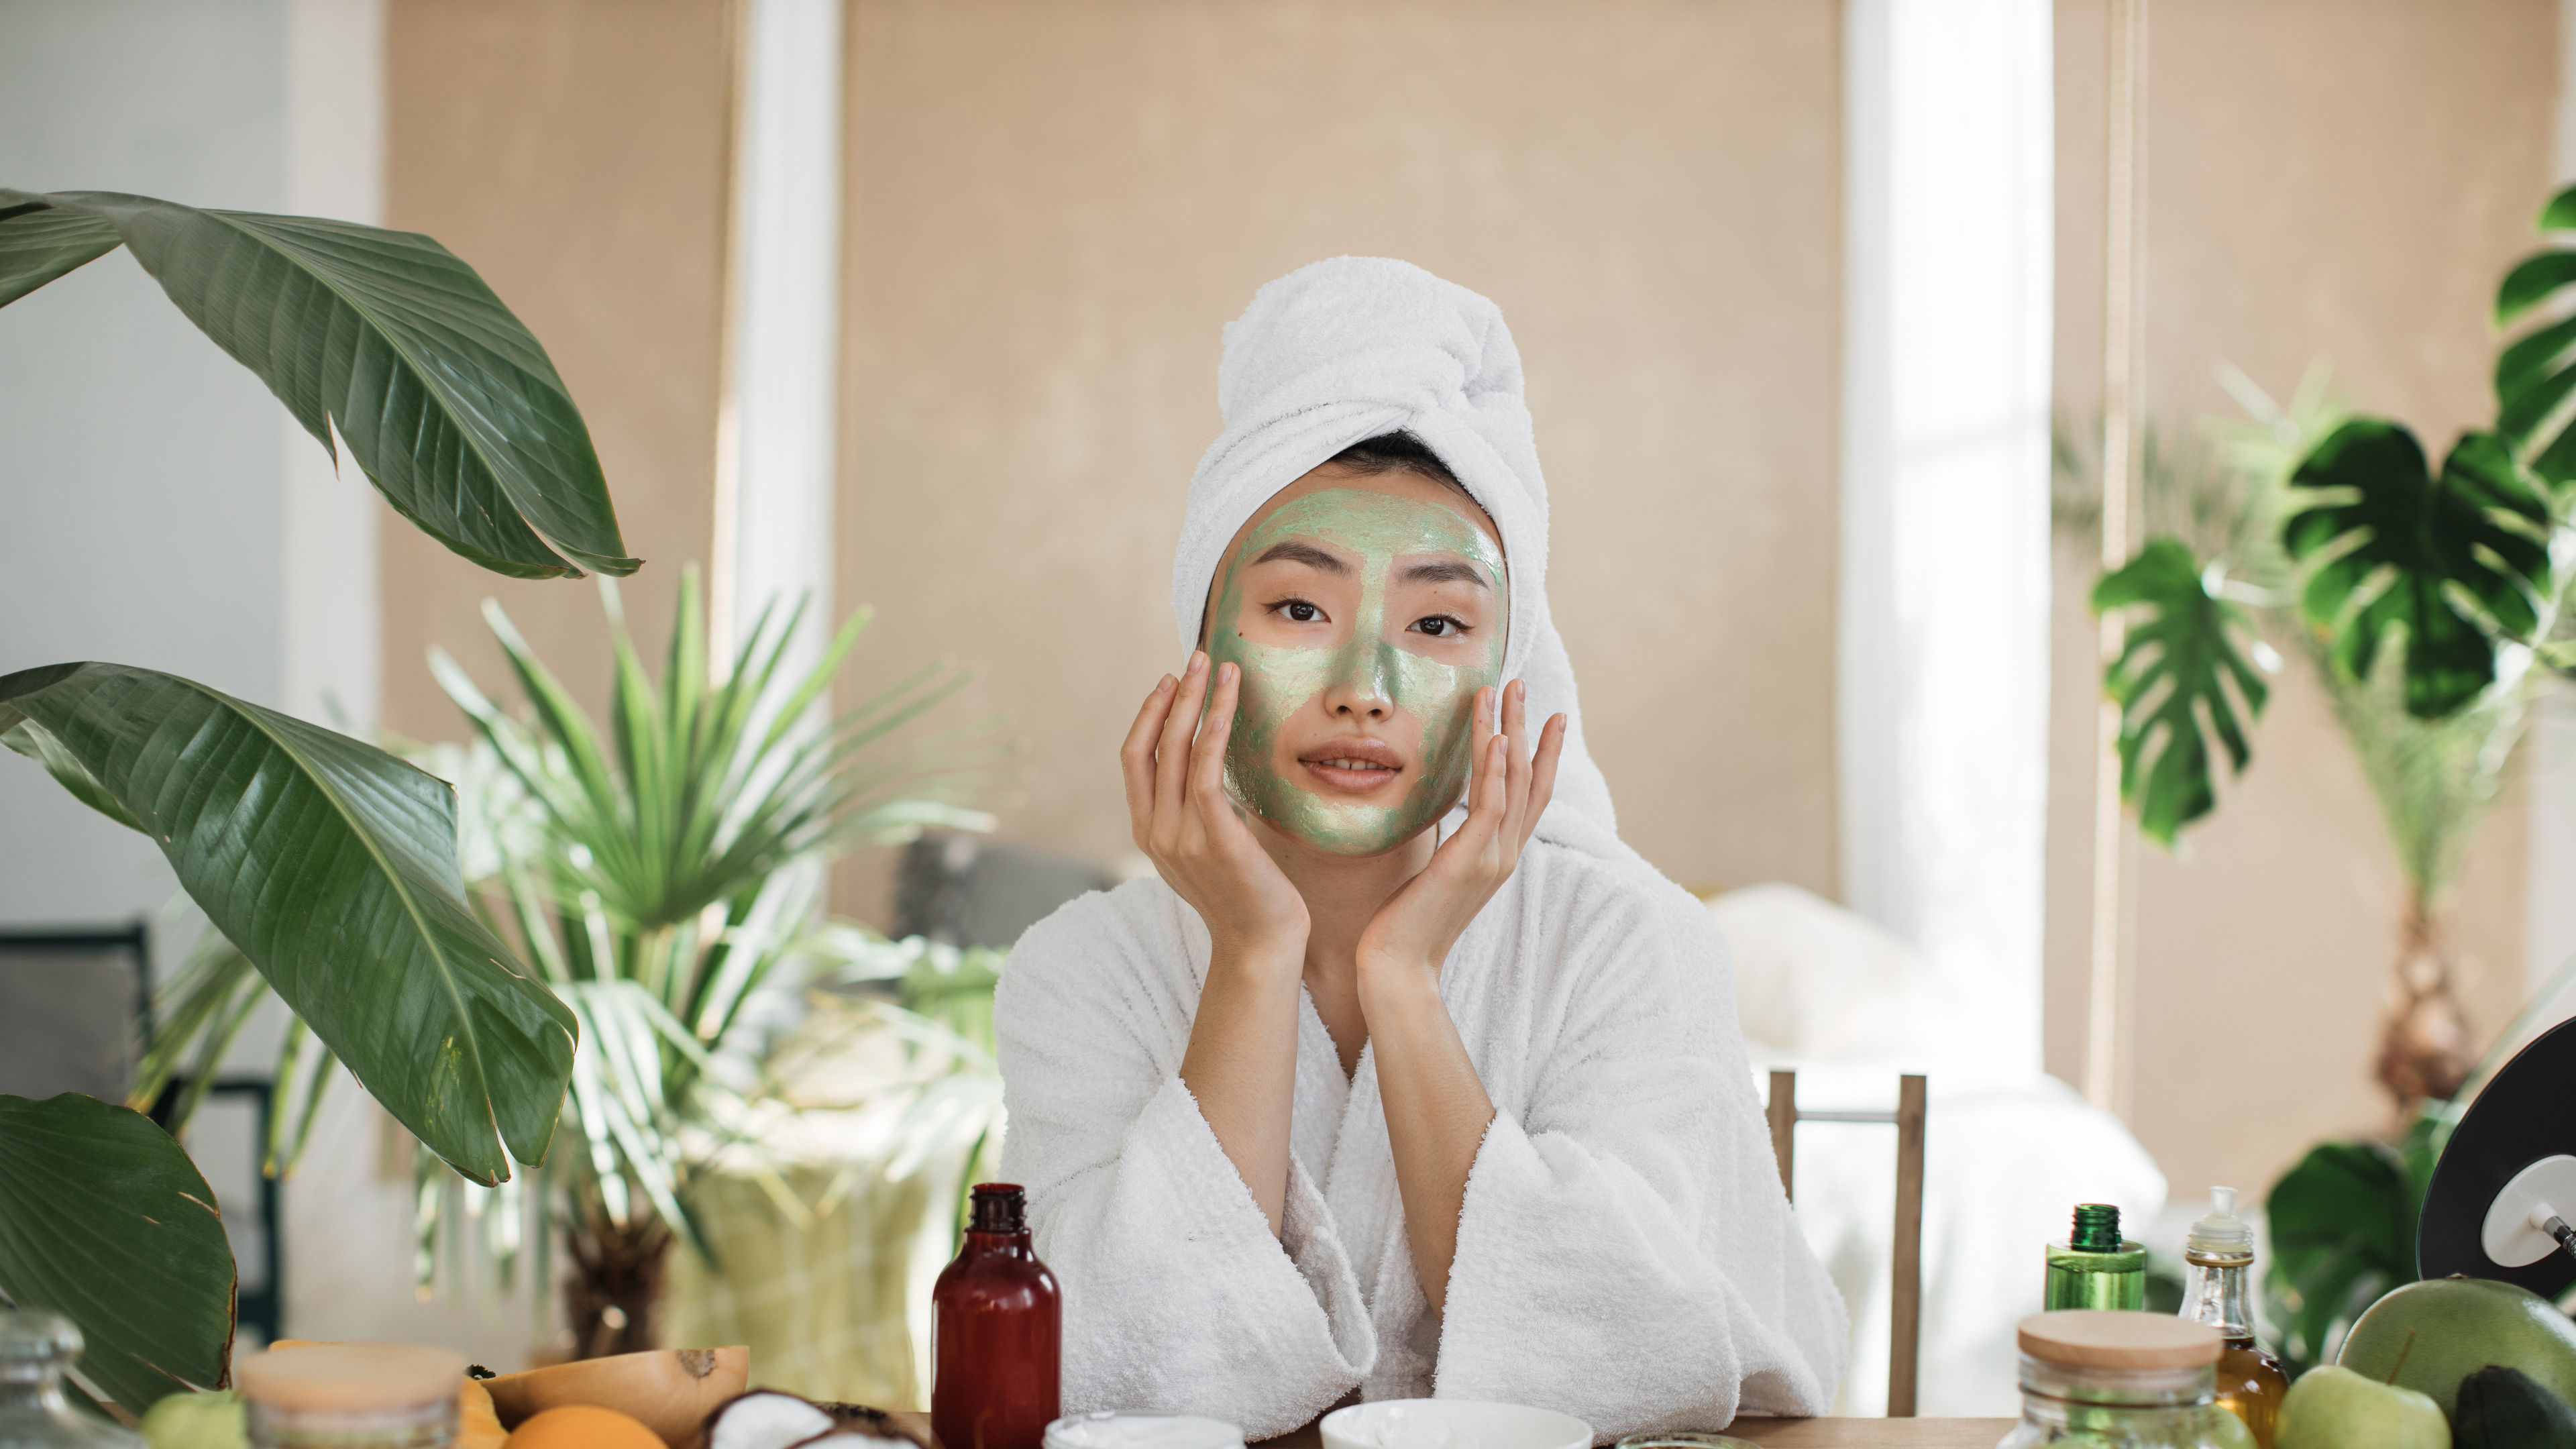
pixel 2535 377
pixel 385 338
pixel 39 243
pixel 105 1221
pixel 332 865
pixel 2450 563
pixel 2342 1225
pixel 2172 685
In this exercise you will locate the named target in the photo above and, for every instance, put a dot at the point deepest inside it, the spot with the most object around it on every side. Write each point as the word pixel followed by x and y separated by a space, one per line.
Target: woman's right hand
pixel 1188 826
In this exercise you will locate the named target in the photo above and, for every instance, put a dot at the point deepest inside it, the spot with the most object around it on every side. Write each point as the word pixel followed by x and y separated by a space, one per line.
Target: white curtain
pixel 1943 667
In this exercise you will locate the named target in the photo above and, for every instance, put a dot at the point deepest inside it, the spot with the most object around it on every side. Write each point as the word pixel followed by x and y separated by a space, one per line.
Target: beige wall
pixel 2327 180
pixel 573 151
pixel 1055 207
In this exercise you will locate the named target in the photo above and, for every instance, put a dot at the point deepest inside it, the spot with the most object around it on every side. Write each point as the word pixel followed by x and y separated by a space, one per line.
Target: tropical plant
pixel 2426 598
pixel 2433 605
pixel 658 873
pixel 329 863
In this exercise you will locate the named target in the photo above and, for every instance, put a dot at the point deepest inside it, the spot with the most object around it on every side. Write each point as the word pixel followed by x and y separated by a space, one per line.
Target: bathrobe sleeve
pixel 1624 1210
pixel 1177 1299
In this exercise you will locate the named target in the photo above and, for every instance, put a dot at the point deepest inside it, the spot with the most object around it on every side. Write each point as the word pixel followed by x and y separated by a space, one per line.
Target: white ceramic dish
pixel 1105 1430
pixel 1452 1424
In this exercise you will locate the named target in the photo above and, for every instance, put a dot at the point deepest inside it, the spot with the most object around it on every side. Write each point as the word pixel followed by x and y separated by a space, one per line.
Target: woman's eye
pixel 1301 611
pixel 1440 626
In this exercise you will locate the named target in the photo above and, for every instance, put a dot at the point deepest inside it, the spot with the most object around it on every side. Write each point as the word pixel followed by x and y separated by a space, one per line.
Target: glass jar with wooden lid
pixel 2111 1379
pixel 351 1396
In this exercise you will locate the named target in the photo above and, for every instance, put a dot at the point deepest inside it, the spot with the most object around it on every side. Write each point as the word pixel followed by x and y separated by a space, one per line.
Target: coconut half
pixel 765 1419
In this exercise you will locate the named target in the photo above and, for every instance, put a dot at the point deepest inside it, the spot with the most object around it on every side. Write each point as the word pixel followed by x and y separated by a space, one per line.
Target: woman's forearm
pixel 1436 1114
pixel 1242 1067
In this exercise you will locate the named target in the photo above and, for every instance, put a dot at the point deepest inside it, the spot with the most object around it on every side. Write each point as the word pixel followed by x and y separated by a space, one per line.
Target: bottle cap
pixel 2108 1338
pixel 351 1376
pixel 2097 1228
pixel 1000 1207
pixel 2222 1233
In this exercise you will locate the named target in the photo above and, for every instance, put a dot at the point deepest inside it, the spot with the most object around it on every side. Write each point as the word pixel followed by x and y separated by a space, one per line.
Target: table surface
pixel 1772 1433
pixel 1812 1434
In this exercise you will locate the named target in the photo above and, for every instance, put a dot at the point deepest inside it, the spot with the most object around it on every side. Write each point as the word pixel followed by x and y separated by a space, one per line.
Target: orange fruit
pixel 583 1426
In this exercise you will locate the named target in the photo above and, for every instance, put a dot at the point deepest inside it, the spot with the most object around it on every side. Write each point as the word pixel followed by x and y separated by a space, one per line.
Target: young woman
pixel 1404 1076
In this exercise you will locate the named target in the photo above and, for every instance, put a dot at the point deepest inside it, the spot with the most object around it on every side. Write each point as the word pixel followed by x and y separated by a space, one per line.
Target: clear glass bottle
pixel 2106 1379
pixel 2095 1267
pixel 2218 1261
pixel 352 1396
pixel 36 1349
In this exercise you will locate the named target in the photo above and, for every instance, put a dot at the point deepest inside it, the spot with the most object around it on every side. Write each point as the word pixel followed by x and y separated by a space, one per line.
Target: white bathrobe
pixel 1625 1253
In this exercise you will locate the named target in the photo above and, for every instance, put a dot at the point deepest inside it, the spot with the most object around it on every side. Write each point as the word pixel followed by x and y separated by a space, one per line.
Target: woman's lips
pixel 1352 767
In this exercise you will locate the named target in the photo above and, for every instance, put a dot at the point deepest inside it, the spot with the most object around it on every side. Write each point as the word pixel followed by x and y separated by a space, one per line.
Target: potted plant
pixel 2433 604
pixel 330 866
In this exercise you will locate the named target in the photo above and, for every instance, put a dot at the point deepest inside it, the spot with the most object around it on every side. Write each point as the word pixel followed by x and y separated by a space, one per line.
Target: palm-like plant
pixel 2429 596
pixel 657 874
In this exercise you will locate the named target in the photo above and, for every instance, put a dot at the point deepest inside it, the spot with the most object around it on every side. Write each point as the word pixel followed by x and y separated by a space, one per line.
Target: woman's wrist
pixel 1264 958
pixel 1389 984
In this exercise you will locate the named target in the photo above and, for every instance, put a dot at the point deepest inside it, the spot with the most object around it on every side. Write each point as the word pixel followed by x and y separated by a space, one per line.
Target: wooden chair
pixel 1905 1335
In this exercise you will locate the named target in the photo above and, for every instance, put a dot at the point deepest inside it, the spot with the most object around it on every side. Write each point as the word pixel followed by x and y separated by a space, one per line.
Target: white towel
pixel 1625 1253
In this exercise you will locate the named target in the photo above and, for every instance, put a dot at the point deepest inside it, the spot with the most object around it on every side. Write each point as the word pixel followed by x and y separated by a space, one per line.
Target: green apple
pixel 2335 1408
pixel 195 1421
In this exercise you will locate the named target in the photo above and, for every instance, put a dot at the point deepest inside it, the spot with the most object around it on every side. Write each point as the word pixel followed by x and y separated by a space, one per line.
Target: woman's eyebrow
pixel 1292 551
pixel 1445 571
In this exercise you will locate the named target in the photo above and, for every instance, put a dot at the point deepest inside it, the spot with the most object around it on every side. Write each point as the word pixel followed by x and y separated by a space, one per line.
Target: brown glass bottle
pixel 2218 1259
pixel 997 1346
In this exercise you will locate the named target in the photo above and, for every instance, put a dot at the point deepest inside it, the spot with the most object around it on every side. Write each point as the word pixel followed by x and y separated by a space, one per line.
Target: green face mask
pixel 1367 658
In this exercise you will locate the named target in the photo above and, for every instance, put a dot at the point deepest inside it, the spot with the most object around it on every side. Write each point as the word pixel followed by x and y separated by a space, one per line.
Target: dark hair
pixel 1397 453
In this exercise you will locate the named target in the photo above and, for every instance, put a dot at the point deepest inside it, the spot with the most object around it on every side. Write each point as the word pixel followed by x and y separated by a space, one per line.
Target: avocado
pixel 2505 1408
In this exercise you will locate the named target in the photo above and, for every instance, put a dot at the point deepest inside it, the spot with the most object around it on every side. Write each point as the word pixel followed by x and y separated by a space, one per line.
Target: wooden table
pixel 1812 1434
pixel 1772 1433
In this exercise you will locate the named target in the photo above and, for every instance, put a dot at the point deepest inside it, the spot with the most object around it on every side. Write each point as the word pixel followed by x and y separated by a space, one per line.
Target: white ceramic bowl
pixel 1452 1424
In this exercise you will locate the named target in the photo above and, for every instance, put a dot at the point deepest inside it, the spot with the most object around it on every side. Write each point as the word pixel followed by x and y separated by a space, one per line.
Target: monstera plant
pixel 329 863
pixel 2432 598
pixel 2433 603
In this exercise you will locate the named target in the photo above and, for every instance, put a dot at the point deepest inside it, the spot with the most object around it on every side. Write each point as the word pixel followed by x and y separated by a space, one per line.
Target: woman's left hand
pixel 1508 787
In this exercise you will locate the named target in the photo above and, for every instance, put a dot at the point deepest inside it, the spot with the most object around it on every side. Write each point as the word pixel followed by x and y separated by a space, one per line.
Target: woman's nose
pixel 1362 684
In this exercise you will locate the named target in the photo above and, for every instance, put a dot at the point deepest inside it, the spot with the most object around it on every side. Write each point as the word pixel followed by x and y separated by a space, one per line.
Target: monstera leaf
pixel 382 338
pixel 105 1221
pixel 2172 685
pixel 2342 1224
pixel 332 865
pixel 2450 563
pixel 2535 377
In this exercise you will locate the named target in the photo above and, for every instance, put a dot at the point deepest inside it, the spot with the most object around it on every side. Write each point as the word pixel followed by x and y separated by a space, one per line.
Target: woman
pixel 1404 1076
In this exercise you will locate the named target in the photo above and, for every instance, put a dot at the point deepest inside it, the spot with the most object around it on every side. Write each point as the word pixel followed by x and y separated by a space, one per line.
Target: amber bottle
pixel 997 1346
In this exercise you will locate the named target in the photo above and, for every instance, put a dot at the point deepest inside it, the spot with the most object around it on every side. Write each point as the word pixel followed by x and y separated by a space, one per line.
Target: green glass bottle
pixel 2095 1267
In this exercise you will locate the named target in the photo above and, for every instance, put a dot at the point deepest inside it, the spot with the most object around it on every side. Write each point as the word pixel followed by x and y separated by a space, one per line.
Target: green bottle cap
pixel 2097 1228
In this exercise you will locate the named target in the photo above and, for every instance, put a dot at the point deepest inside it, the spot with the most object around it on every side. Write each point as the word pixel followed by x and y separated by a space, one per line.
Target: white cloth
pixel 1625 1253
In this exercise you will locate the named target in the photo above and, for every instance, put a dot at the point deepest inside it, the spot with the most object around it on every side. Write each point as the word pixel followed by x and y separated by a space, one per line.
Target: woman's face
pixel 1365 611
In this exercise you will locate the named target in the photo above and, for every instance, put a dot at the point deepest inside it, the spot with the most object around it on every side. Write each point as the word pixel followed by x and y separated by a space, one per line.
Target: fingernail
pixel 1198 660
pixel 1164 684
